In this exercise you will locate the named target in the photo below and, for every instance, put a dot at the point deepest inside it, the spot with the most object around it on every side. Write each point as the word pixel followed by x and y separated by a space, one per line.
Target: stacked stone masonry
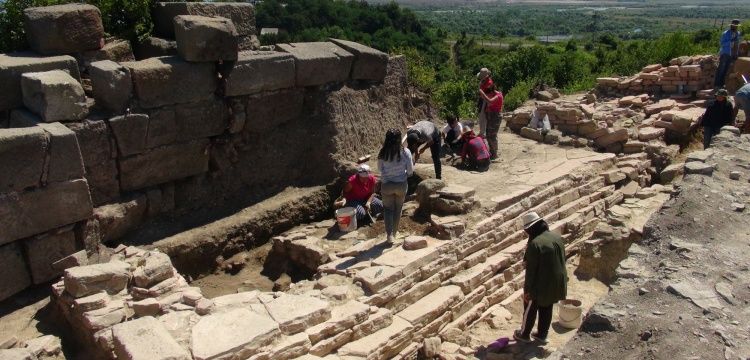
pixel 359 307
pixel 94 142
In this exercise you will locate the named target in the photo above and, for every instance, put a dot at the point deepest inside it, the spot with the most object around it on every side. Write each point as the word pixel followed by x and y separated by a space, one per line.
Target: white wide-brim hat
pixel 530 219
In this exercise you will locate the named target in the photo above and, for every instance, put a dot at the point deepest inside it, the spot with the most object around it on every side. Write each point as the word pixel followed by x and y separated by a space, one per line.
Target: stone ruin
pixel 96 141
pixel 360 305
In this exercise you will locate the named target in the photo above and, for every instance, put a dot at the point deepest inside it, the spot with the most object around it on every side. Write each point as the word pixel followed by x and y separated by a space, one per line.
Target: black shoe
pixel 538 338
pixel 520 338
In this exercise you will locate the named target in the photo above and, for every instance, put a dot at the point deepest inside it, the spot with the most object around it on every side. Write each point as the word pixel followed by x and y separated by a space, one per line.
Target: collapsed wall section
pixel 96 144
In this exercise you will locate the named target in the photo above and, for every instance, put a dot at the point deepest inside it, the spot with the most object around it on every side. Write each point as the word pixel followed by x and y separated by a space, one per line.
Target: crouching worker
pixel 546 278
pixel 475 154
pixel 420 137
pixel 359 193
pixel 540 120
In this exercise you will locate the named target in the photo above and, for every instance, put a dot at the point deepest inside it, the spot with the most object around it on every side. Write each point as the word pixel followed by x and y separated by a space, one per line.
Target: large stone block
pixel 369 63
pixel 319 63
pixel 54 95
pixel 130 133
pixel 65 161
pixel 295 313
pixel 116 220
pixel 98 159
pixel 268 111
pixel 201 38
pixel 44 250
pixel 111 277
pixel 612 136
pixel 33 212
pixel 241 14
pixel 22 154
pixel 218 336
pixel 63 29
pixel 171 80
pixel 116 50
pixel 164 164
pixel 155 47
pixel 13 65
pixel 256 71
pixel 111 84
pixel 171 124
pixel 146 339
pixel 14 275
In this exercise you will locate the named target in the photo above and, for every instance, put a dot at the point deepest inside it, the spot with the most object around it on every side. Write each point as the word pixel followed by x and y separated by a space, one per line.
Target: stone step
pixel 382 344
pixel 432 306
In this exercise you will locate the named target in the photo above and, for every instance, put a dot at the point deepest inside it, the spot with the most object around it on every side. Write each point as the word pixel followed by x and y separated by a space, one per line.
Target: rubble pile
pixel 684 76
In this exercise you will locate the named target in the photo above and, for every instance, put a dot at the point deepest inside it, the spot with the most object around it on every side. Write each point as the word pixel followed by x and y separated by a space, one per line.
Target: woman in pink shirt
pixel 494 107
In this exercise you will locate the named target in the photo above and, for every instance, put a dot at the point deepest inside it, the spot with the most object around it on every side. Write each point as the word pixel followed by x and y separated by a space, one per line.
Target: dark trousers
pixel 530 310
pixel 721 72
pixel 708 133
pixel 493 127
pixel 435 150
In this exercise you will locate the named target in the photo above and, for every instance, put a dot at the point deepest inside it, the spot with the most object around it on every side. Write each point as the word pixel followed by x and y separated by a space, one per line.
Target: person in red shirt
pixel 494 100
pixel 485 81
pixel 359 193
pixel 475 154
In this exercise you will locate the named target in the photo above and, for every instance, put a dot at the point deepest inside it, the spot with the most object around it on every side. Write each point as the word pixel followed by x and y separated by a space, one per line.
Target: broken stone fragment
pixel 415 242
pixel 157 268
pixel 734 175
pixel 44 346
pixel 700 168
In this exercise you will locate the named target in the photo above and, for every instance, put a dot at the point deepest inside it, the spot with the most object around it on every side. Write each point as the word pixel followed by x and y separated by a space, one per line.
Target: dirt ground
pixel 689 293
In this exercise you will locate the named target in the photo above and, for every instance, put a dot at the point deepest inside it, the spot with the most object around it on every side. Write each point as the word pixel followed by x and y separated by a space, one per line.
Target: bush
pixel 518 94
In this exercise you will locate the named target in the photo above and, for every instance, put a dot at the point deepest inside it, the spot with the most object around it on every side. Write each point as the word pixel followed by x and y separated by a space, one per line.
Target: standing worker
pixel 494 100
pixel 421 136
pixel 546 278
pixel 395 166
pixel 485 81
pixel 728 52
pixel 718 114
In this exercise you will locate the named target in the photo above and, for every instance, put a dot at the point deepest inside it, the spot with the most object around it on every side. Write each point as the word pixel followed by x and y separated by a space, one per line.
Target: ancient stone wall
pixel 94 143
pixel 684 76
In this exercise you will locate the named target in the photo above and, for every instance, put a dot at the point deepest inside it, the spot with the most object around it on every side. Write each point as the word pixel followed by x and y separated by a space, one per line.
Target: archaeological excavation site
pixel 175 201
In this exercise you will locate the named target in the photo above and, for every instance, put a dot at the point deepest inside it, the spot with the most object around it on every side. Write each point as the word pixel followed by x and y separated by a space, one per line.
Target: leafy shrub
pixel 518 94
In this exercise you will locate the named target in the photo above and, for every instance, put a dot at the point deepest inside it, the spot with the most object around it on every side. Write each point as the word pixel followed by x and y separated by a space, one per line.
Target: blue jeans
pixel 721 72
pixel 393 200
pixel 376 207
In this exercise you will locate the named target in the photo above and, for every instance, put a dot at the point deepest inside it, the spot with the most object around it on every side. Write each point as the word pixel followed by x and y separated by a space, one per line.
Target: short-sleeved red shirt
pixel 361 190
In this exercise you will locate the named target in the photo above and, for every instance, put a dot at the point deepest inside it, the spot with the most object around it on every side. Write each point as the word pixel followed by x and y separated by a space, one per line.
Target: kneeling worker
pixel 359 193
pixel 475 153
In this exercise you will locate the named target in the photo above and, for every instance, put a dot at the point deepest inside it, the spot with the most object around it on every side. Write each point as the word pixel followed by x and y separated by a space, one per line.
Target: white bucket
pixel 347 219
pixel 569 313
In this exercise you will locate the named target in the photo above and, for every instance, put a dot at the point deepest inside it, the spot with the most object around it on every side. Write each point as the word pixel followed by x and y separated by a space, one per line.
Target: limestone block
pixel 164 164
pixel 179 123
pixel 22 155
pixel 146 339
pixel 326 346
pixel 650 133
pixel 409 261
pixel 343 317
pixel 268 111
pixel 700 156
pixel 111 84
pixel 171 80
pixel 383 344
pixel 63 29
pixel 113 313
pixel 92 302
pixel 65 161
pixel 44 346
pixel 54 95
pixel 369 63
pixel 14 275
pixel 295 313
pixel 532 134
pixel 156 268
pixel 671 172
pixel 612 136
pixel 256 71
pixel 33 212
pixel 201 38
pixel 98 159
pixel 319 63
pixel 111 277
pixel 13 65
pixel 696 167
pixel 130 132
pixel 456 192
pixel 116 219
pixel 431 306
pixel 43 250
pixel 291 347
pixel 415 243
pixel 220 335
pixel 155 47
pixel 241 14
pixel 17 354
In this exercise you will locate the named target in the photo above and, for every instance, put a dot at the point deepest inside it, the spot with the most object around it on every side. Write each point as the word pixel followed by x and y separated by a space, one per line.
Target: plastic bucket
pixel 569 313
pixel 347 219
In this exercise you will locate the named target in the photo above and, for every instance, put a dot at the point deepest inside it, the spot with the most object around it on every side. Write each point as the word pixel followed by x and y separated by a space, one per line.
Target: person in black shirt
pixel 718 114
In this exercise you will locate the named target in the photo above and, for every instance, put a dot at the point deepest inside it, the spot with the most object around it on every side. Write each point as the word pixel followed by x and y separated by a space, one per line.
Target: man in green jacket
pixel 546 279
